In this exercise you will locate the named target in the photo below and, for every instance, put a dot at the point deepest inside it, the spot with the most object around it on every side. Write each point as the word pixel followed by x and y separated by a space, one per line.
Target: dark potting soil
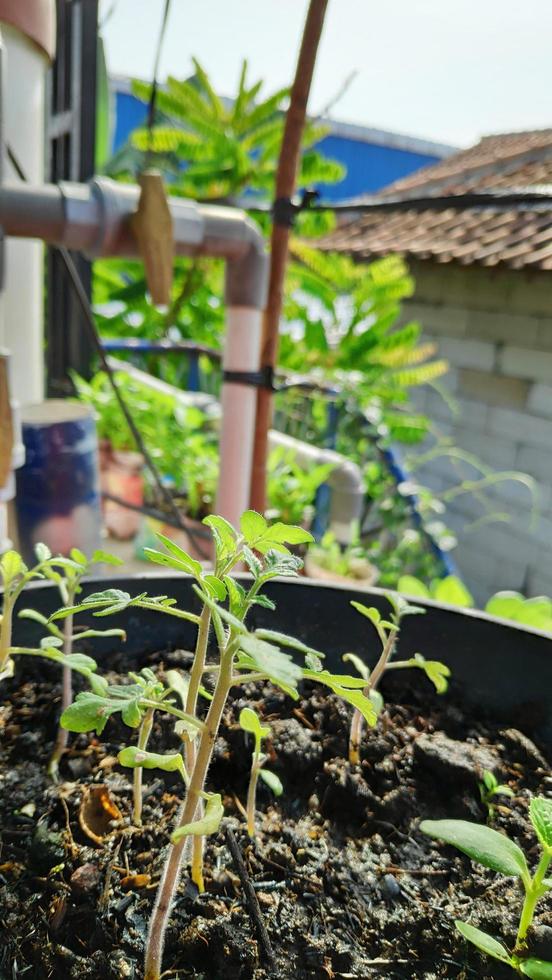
pixel 347 885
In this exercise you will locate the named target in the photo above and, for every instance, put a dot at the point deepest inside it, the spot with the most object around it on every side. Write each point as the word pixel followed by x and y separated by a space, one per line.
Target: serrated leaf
pixel 437 672
pixel 135 758
pixel 215 586
pixel 370 612
pixel 287 641
pixel 481 844
pixel 226 534
pixel 264 601
pixel 42 552
pixel 540 812
pixel 289 534
pixel 192 566
pixel 269 659
pixel 131 714
pixel 250 722
pixel 209 823
pixel 169 561
pixel 252 562
pixel 487 944
pixel 179 683
pixel 11 565
pixel 88 713
pixel 77 555
pixel 358 664
pixel 224 614
pixel 536 969
pixel 349 689
pixel 253 526
pixel 103 558
pixel 273 781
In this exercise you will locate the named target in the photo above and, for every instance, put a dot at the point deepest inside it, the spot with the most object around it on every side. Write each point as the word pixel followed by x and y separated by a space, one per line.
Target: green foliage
pixel 536 612
pixel 496 851
pixel 489 787
pixel 350 561
pixel 291 488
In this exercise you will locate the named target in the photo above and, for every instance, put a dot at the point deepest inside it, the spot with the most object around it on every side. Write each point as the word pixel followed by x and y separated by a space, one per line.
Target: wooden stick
pixel 251 899
pixel 285 185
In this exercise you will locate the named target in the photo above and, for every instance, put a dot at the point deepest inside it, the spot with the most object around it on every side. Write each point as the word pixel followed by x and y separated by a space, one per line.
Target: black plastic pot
pixel 497 666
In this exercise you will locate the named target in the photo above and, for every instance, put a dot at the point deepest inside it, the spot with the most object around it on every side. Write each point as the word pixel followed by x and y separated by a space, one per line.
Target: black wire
pixel 531 198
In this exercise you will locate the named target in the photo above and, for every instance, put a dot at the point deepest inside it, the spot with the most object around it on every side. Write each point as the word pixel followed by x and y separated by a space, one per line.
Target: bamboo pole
pixel 286 176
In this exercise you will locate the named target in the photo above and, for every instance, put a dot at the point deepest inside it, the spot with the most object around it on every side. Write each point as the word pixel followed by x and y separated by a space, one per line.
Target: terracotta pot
pixel 123 477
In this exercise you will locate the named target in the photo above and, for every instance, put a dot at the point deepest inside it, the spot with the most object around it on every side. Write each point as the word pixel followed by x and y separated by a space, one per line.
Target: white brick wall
pixel 495 329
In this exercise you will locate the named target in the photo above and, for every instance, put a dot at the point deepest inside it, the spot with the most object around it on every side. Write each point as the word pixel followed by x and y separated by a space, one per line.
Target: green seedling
pixel 15 577
pixel 250 723
pixel 489 787
pixel 497 852
pixel 67 574
pixel 388 631
pixel 58 645
pixel 244 656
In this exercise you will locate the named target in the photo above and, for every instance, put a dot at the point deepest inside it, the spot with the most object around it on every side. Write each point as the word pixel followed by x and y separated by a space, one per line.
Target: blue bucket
pixel 58 488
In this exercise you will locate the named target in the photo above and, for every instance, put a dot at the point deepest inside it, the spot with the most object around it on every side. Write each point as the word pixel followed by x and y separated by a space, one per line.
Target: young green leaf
pixel 42 552
pixel 481 844
pixel 250 722
pixel 487 944
pixel 272 661
pixel 273 782
pixel 437 672
pixel 179 683
pixel 88 713
pixel 131 713
pixel 134 758
pixel 358 664
pixel 370 612
pixel 253 526
pixel 216 587
pixel 536 969
pixel 348 689
pixel 208 824
pixel 99 557
pixel 289 534
pixel 540 812
pixel 288 641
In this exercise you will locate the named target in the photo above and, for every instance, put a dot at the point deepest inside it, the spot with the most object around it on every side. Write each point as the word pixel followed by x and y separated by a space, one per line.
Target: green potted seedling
pixel 250 723
pixel 496 851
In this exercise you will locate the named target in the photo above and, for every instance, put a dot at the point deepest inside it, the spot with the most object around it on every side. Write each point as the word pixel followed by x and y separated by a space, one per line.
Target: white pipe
pixel 242 352
pixel 22 302
pixel 345 481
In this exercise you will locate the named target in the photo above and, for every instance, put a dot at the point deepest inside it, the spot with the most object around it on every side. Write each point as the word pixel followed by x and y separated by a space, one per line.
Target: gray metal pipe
pixel 94 219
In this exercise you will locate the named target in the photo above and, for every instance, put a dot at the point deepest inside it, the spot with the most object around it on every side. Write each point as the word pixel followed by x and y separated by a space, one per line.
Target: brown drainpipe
pixel 34 18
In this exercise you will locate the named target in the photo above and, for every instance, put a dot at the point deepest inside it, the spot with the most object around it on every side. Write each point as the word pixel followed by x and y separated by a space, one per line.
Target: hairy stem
pixel 62 738
pixel 196 674
pixel 357 723
pixel 252 792
pixel 143 738
pixel 532 894
pixel 6 629
pixel 171 871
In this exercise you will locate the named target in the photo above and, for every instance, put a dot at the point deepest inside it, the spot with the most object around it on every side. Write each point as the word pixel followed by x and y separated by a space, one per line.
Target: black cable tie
pixel 286 209
pixel 256 379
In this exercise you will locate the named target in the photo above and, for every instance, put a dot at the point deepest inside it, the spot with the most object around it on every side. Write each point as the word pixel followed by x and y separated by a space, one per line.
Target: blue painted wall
pixel 370 166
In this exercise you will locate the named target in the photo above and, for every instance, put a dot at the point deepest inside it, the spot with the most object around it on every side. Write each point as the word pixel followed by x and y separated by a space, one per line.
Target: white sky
pixel 443 70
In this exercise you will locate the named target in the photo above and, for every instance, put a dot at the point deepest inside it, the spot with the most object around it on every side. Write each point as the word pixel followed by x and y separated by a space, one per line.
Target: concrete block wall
pixel 495 329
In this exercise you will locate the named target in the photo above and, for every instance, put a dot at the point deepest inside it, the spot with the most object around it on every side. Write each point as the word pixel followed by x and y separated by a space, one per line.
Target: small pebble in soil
pixel 85 879
pixel 454 761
